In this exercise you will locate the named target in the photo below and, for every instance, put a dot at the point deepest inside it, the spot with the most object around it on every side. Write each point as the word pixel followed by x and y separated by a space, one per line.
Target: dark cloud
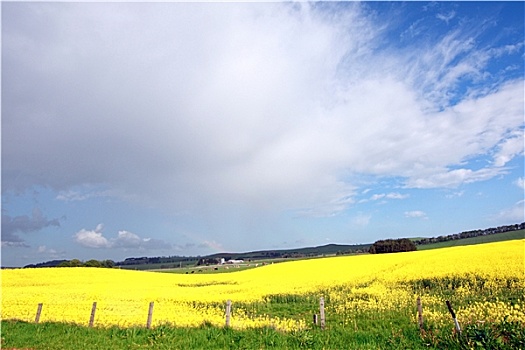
pixel 12 226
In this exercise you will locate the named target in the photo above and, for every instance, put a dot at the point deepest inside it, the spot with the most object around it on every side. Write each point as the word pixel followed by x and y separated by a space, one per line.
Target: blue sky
pixel 135 129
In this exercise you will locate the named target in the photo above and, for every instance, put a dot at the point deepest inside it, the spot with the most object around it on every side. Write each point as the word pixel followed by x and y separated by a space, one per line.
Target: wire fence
pixel 127 314
pixel 118 314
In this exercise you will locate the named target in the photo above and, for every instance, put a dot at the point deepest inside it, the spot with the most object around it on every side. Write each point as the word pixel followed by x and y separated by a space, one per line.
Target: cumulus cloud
pixel 270 106
pixel 125 240
pixel 520 183
pixel 416 214
pixel 13 226
pixel 92 238
pixel 129 240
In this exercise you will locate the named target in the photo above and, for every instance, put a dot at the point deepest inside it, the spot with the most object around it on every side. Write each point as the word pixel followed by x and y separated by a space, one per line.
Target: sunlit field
pixel 484 283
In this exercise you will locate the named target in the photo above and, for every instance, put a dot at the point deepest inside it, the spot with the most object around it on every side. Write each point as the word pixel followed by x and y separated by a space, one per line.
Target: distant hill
pixel 52 263
pixel 328 249
pixel 489 232
pixel 493 234
pixel 145 263
pixel 504 236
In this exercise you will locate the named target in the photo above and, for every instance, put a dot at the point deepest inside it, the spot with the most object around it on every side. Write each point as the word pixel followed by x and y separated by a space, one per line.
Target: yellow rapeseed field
pixel 350 284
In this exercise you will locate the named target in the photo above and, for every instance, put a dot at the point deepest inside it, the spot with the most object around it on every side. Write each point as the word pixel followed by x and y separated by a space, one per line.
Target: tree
pixel 108 263
pixel 75 263
pixel 92 263
pixel 392 246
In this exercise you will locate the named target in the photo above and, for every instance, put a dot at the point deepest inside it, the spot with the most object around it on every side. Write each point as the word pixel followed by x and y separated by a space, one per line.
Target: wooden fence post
pixel 150 315
pixel 456 323
pixel 38 313
pixel 321 312
pixel 419 314
pixel 228 312
pixel 92 317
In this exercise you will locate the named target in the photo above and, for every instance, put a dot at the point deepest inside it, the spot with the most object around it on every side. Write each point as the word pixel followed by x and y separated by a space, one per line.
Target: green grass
pixel 384 330
pixel 504 236
pixel 57 336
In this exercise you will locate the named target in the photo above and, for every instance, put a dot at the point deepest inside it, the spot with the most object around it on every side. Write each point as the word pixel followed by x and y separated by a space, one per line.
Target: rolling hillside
pixel 504 236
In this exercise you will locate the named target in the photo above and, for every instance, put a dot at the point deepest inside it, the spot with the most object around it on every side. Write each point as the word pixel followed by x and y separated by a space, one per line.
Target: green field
pixel 184 264
pixel 504 236
pixel 56 336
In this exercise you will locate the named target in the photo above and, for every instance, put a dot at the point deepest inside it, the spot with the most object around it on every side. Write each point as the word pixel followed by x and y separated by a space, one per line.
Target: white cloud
pixel 506 49
pixel 391 195
pixel 92 238
pixel 395 195
pixel 377 196
pixel 454 178
pixel 509 149
pixel 266 106
pixel 416 214
pixel 124 240
pixel 129 240
pixel 520 183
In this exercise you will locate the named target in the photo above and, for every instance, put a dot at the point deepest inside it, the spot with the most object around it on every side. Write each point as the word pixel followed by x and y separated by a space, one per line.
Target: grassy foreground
pixel 391 333
pixel 370 303
pixel 57 336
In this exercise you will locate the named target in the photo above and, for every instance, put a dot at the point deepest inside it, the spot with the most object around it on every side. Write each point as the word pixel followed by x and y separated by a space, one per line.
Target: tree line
pixel 392 246
pixel 473 233
pixel 74 263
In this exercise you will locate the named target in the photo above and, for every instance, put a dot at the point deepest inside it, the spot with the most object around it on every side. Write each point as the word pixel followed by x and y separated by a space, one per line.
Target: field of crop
pixel 370 301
